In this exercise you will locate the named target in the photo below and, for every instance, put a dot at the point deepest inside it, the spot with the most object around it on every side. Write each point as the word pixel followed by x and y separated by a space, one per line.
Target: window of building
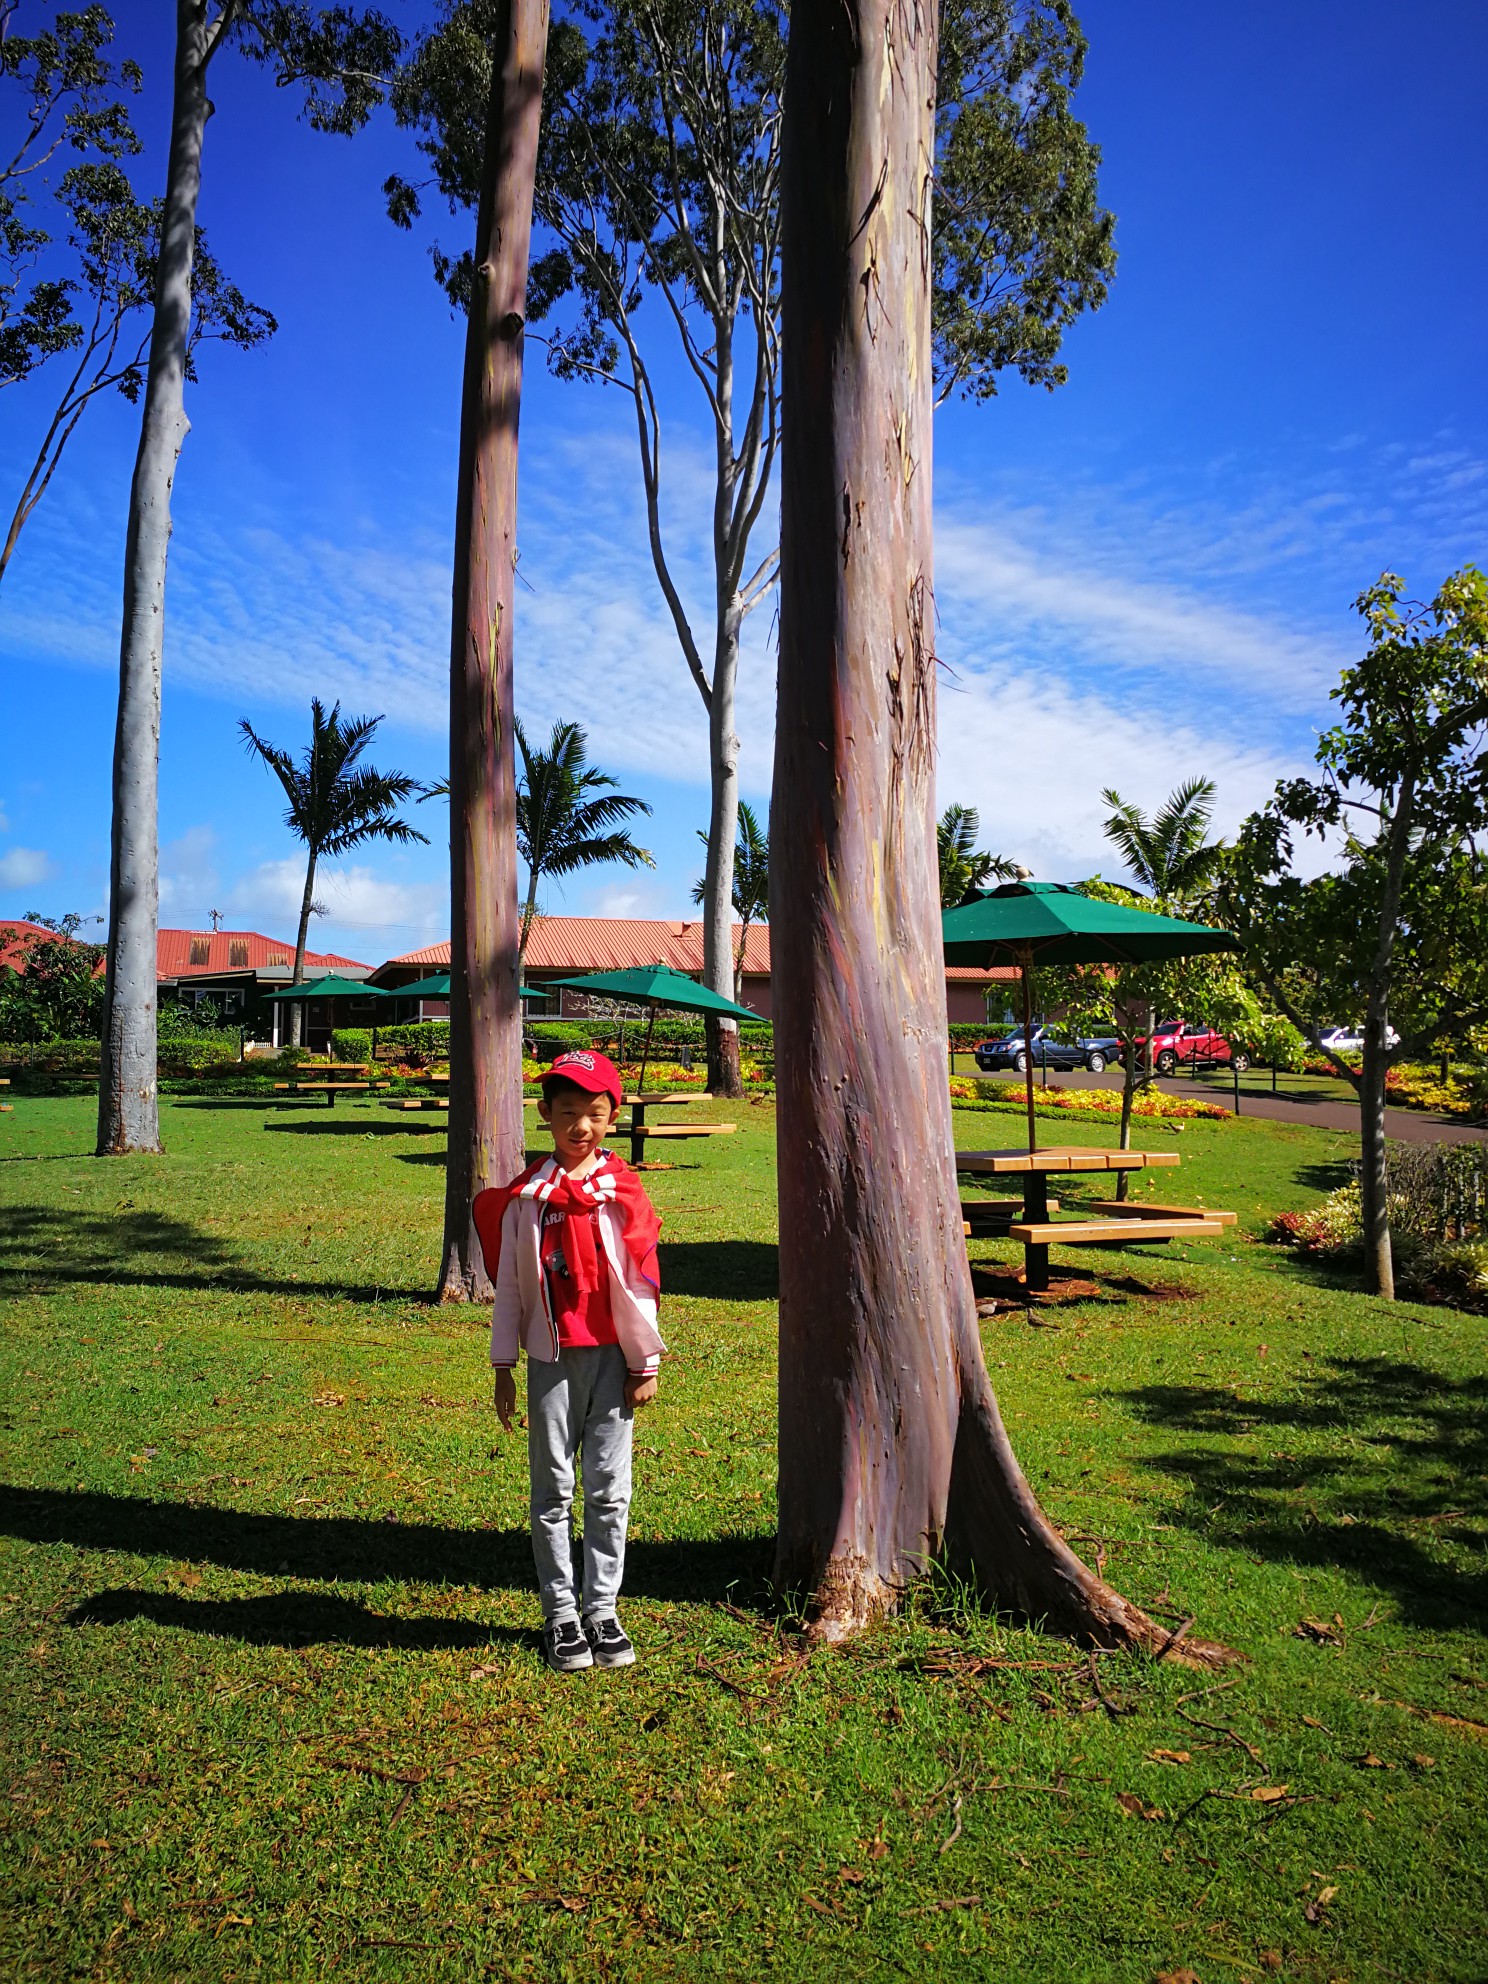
pixel 201 950
pixel 237 954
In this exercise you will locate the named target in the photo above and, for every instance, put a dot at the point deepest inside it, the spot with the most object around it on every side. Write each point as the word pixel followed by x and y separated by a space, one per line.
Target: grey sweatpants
pixel 576 1407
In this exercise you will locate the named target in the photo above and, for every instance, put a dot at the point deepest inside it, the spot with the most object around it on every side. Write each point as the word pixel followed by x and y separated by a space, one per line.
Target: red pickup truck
pixel 1176 1047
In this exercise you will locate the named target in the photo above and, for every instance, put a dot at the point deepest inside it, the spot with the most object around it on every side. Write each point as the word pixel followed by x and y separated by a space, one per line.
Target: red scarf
pixel 611 1182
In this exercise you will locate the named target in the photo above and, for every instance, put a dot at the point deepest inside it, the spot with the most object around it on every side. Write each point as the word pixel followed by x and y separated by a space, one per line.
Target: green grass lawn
pixel 274 1706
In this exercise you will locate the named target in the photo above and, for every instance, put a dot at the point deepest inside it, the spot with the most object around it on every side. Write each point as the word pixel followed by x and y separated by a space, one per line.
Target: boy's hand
pixel 505 1399
pixel 640 1391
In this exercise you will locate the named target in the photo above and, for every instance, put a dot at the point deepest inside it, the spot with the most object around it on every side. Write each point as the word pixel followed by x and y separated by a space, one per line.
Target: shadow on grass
pixel 1399 1499
pixel 290 1619
pixel 326 1124
pixel 45 1246
pixel 360 1550
pixel 1323 1177
pixel 730 1270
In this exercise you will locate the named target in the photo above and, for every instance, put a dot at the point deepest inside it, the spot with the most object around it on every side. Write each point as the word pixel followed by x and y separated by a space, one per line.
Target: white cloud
pixel 188 878
pixel 24 867
pixel 367 916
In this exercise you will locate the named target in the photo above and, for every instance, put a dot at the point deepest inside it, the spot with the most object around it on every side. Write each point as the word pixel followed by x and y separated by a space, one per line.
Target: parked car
pixel 1176 1046
pixel 1052 1048
pixel 1349 1040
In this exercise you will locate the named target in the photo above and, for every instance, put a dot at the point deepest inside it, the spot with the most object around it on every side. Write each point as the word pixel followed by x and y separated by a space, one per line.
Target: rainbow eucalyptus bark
pixel 891 1448
pixel 485 1117
pixel 128 1098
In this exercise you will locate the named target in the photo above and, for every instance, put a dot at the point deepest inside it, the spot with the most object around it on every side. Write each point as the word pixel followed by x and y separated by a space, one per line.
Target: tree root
pixel 998 1537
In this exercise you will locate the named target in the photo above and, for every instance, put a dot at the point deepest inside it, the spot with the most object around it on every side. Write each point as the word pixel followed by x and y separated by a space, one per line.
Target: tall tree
pixel 338 56
pixel 963 866
pixel 569 814
pixel 1398 926
pixel 891 1446
pixel 658 186
pixel 751 885
pixel 71 311
pixel 336 803
pixel 486 1143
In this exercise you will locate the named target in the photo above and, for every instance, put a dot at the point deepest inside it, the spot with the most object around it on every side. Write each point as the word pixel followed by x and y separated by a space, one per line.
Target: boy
pixel 571 1247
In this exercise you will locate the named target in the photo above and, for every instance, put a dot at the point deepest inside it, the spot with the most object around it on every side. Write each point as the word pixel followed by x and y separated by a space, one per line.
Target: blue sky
pixel 1144 575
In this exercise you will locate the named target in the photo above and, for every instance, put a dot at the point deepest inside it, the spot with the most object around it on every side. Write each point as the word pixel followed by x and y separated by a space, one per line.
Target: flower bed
pixel 1056 1101
pixel 1415 1085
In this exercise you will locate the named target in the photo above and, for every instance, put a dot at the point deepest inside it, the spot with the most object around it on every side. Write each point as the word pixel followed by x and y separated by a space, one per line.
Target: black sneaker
pixel 565 1648
pixel 608 1643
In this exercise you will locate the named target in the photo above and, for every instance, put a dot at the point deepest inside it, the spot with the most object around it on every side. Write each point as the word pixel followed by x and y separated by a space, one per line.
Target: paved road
pixel 1410 1126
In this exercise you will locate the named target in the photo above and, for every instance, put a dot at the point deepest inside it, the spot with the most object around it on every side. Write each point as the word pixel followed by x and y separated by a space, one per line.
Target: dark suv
pixel 1051 1049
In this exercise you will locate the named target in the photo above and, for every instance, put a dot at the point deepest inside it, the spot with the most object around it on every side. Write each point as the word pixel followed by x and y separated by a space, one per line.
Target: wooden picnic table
pixel 1035 1229
pixel 330 1090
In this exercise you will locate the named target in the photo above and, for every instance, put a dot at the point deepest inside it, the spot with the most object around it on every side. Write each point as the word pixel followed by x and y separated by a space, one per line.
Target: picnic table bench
pixel 1121 1221
pixel 330 1090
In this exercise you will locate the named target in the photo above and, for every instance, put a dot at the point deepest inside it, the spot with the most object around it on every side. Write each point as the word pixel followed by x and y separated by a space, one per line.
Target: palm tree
pixel 962 867
pixel 567 814
pixel 1168 854
pixel 751 894
pixel 335 803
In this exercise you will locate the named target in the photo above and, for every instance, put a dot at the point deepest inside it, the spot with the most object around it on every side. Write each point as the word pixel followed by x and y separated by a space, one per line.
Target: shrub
pixel 419 1042
pixel 352 1043
pixel 555 1037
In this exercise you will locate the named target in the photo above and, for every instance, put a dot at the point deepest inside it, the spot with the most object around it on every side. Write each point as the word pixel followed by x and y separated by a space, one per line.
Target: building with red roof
pixel 563 946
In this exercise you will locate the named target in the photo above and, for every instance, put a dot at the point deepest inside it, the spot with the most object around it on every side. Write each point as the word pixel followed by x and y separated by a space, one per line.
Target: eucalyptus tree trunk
pixel 485 1115
pixel 128 1100
pixel 891 1447
pixel 722 1035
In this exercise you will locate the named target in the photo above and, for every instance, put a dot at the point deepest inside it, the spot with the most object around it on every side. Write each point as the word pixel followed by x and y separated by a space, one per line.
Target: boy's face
pixel 579 1122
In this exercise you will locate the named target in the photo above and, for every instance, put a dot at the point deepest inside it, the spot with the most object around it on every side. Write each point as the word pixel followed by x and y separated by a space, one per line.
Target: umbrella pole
pixel 1027 964
pixel 646 1052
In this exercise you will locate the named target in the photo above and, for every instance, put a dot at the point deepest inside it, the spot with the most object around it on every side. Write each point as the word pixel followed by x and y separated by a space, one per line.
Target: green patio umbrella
pixel 654 985
pixel 1030 923
pixel 332 987
pixel 437 986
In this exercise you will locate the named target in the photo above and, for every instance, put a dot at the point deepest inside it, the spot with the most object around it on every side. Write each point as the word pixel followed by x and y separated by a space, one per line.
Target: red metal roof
pixel 16 938
pixel 187 953
pixel 611 943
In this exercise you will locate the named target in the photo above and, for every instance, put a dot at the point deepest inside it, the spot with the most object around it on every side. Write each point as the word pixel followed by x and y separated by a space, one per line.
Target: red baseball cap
pixel 586 1068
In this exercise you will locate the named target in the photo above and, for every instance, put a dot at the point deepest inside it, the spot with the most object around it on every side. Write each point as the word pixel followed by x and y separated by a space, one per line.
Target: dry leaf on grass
pixel 1268 1794
pixel 1320 1630
pixel 328 1398
pixel 1135 1807
pixel 1183 1976
pixel 1169 1757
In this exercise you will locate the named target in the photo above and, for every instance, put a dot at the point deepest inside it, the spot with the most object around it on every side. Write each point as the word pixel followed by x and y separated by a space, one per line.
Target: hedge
pixel 80 1057
pixel 352 1043
pixel 421 1040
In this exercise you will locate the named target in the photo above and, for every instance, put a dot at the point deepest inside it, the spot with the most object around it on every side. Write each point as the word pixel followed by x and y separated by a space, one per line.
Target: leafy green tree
pixel 658 192
pixel 338 58
pixel 53 991
pixel 568 815
pixel 751 884
pixel 1397 927
pixel 336 803
pixel 963 867
pixel 1170 855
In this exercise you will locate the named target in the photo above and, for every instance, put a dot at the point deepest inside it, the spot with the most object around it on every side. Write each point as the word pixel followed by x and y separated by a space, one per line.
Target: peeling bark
pixel 485 1116
pixel 892 1451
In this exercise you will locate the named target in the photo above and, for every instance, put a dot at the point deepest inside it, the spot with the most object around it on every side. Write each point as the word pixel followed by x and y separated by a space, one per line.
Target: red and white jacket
pixel 509 1222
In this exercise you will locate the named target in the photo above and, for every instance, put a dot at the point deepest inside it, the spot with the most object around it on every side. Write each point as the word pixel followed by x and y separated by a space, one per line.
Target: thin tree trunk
pixel 128 1099
pixel 891 1448
pixel 485 1116
pixel 1374 1203
pixel 722 1035
pixel 1374 1181
pixel 1128 1096
pixel 297 1027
